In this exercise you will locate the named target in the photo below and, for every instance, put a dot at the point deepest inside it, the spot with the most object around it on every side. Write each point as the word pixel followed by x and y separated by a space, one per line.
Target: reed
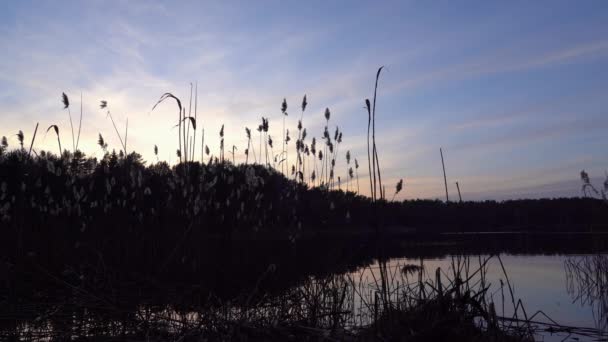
pixel 3 145
pixel 20 138
pixel 195 119
pixel 79 125
pixel 398 188
pixel 445 180
pixel 32 143
pixel 248 134
pixel 123 143
pixel 102 143
pixel 285 114
pixel 56 129
pixel 357 172
pixel 459 195
pixel 164 97
pixel 222 144
pixel 300 141
pixel 66 105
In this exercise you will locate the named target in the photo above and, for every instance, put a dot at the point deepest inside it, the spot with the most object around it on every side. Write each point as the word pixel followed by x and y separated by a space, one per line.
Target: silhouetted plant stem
pixel 203 150
pixel 33 138
pixel 183 127
pixel 179 118
pixel 79 124
pixel 66 103
pixel 369 158
pixel 56 128
pixel 445 180
pixel 126 135
pixel 196 119
pixel 374 135
pixel 117 133
pixel 459 195
pixel 188 128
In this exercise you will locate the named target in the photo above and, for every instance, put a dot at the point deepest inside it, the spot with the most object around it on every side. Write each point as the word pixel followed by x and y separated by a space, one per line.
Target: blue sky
pixel 515 92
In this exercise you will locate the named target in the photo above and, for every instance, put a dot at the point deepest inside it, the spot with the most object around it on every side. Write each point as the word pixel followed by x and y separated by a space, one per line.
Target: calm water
pixel 570 289
pixel 552 273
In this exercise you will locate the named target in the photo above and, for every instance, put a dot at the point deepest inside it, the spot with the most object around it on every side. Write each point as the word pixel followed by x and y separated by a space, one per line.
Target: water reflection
pixel 323 285
pixel 587 283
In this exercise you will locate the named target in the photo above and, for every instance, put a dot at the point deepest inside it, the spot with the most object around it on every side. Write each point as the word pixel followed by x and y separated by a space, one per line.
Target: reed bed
pixel 413 304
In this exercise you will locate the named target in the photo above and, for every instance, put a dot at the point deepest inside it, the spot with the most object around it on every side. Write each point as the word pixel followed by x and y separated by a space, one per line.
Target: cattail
pixel 327 114
pixel 207 150
pixel 103 104
pixel 156 152
pixel 347 157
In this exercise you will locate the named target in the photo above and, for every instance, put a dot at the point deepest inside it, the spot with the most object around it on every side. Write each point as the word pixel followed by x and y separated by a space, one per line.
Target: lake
pixel 569 289
pixel 562 277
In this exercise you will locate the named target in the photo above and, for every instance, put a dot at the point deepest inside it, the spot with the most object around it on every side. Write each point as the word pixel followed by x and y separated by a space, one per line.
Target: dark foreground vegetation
pixel 115 249
pixel 120 249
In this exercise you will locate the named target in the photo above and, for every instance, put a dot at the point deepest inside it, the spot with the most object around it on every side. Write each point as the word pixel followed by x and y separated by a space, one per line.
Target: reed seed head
pixel 399 186
pixel 20 137
pixel 65 100
pixel 284 107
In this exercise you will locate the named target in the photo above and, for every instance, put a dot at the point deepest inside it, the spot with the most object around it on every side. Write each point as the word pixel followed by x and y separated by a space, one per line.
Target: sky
pixel 515 92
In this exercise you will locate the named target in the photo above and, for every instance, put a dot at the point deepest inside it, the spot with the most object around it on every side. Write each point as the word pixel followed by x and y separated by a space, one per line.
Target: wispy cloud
pixel 464 87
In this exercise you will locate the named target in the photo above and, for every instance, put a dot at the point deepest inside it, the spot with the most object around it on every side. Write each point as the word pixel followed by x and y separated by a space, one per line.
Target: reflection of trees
pixel 587 283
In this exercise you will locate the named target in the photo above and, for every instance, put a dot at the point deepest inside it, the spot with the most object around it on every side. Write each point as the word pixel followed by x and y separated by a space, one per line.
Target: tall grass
pixel 285 114
pixel 33 138
pixel 375 162
pixel 164 97
pixel 56 129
